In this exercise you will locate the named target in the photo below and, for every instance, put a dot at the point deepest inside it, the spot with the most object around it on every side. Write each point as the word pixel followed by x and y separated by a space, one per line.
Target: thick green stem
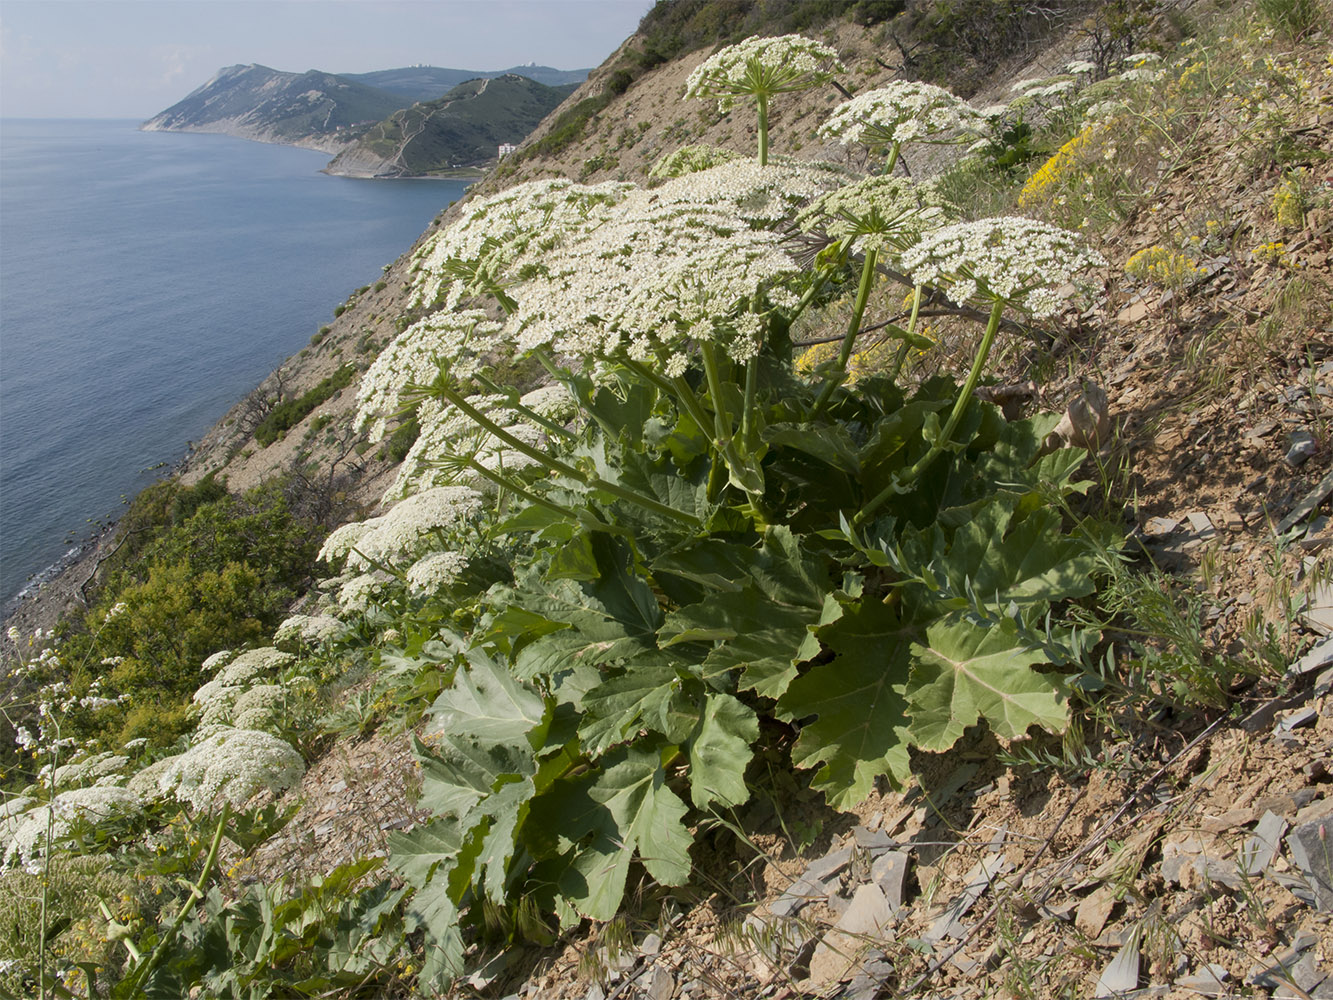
pixel 507 484
pixel 747 414
pixel 514 403
pixel 722 430
pixel 555 465
pixel 911 329
pixel 853 328
pixel 893 158
pixel 964 397
pixel 141 973
pixel 762 99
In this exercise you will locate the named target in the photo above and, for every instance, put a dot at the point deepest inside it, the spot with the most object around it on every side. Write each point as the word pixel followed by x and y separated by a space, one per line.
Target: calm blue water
pixel 148 280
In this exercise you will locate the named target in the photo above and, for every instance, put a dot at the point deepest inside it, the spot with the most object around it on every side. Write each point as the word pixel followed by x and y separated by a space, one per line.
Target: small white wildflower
pixel 212 663
pixel 1080 66
pixel 117 609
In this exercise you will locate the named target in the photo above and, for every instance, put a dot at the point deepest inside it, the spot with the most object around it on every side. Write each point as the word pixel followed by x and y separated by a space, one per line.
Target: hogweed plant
pixel 762 68
pixel 903 112
pixel 602 593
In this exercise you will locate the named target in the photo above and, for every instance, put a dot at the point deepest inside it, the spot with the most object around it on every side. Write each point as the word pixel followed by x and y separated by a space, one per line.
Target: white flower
pixel 311 629
pixel 763 66
pixel 496 236
pixel 117 609
pixel 65 812
pixel 342 540
pixel 259 707
pixel 233 766
pixel 669 269
pixel 1017 260
pixel 1080 66
pixel 436 571
pixel 254 663
pixel 216 660
pixel 357 593
pixel 880 212
pixel 907 108
pixel 689 159
pixel 415 357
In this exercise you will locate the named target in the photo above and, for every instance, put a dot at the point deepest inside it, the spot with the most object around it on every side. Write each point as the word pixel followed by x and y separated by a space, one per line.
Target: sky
pixel 134 58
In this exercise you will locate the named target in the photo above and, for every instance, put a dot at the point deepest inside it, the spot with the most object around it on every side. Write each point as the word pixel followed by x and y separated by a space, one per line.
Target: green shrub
pixel 289 413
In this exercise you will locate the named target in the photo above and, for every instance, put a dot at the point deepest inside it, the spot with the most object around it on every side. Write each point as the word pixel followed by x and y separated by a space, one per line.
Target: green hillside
pixel 463 128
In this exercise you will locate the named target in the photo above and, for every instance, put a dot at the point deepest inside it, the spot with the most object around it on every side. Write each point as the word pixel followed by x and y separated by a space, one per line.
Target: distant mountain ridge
pixel 463 128
pixel 427 83
pixel 312 109
pixel 331 112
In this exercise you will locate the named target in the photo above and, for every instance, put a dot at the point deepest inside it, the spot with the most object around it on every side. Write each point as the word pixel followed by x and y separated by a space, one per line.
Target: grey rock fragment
pixel 1260 849
pixel 875 968
pixel 1301 446
pixel 1319 615
pixel 651 945
pixel 950 923
pixel 658 984
pixel 1290 965
pixel 1319 656
pixel 864 922
pixel 1307 505
pixel 889 872
pixel 1210 981
pixel 874 841
pixel 1294 720
pixel 1122 974
pixel 801 892
pixel 829 865
pixel 1313 855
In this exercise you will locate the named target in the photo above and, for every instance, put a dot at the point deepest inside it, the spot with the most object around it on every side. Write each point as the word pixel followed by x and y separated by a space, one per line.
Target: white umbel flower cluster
pixel 435 571
pixel 456 340
pixel 760 195
pixel 763 65
pixel 399 535
pixel 881 213
pixel 496 234
pixel 231 766
pixel 691 159
pixel 65 813
pixel 308 629
pixel 1019 261
pixel 902 111
pixel 661 274
pixel 98 769
pixel 218 699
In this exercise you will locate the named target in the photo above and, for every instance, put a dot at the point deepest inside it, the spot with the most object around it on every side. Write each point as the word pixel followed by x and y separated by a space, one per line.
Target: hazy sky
pixel 133 58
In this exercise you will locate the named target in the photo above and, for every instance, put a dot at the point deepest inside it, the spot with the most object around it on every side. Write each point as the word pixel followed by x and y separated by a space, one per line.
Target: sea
pixel 148 281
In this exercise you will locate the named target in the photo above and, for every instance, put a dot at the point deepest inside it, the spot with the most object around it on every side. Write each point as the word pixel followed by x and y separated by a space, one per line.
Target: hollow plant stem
pixel 141 973
pixel 964 397
pixel 747 413
pixel 911 328
pixel 893 158
pixel 762 101
pixel 554 464
pixel 853 328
